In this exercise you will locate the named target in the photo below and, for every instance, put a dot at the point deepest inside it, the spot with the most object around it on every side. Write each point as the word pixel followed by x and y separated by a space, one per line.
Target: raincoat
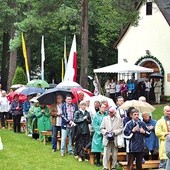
pixel 44 123
pixel 160 130
pixel 97 141
pixel 31 116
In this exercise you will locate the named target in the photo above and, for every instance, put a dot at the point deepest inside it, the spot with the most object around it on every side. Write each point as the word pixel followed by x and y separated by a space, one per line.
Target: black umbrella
pixel 156 75
pixel 49 96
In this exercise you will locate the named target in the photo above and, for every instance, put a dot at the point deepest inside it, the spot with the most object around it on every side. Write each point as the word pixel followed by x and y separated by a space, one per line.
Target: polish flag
pixel 71 69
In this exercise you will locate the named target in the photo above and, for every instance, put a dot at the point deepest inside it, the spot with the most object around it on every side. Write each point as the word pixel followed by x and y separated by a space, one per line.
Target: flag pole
pixel 25 57
pixel 42 58
pixel 62 69
pixel 65 53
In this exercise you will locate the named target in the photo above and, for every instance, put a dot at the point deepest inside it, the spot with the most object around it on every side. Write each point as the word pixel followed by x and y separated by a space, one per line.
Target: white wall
pixel 153 34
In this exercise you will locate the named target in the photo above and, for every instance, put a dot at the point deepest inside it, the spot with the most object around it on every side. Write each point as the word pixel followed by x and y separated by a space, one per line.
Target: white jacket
pixel 4 104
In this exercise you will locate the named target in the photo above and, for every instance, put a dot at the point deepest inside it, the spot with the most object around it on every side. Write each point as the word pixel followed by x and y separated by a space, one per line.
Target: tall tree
pixel 84 44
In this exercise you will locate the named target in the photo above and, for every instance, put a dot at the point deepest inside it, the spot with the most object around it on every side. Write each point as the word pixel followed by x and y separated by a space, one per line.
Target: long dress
pixel 97 141
pixel 44 123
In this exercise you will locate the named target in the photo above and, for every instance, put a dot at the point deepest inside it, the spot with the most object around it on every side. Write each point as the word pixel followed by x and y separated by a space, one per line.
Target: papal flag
pixel 71 69
pixel 25 57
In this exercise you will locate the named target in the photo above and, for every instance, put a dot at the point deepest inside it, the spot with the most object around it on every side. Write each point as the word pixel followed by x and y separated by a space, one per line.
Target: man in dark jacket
pixel 134 132
pixel 68 109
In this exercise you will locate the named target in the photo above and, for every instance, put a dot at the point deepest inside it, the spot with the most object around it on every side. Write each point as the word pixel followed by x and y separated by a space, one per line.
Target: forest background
pixel 57 19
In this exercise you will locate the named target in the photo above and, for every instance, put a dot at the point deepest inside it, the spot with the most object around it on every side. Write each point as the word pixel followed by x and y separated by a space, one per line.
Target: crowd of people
pixel 133 89
pixel 100 129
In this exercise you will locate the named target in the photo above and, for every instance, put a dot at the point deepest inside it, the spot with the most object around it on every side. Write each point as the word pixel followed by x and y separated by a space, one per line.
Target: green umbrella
pixel 38 83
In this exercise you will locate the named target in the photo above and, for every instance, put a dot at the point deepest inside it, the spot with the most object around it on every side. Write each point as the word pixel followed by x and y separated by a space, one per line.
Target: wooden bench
pixel 10 125
pixel 151 164
pixel 46 134
pixel 121 156
pixel 24 127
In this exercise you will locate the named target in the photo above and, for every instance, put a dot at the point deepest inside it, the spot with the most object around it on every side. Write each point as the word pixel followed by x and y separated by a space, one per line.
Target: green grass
pixel 158 113
pixel 23 153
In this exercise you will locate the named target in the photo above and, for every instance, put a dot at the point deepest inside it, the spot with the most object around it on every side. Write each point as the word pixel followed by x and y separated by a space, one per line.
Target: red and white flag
pixel 71 70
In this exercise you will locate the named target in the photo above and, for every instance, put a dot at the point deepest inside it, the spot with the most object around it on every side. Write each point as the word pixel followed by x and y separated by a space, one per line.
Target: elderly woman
pixel 31 116
pixel 151 142
pixel 16 109
pixel 82 119
pixel 97 141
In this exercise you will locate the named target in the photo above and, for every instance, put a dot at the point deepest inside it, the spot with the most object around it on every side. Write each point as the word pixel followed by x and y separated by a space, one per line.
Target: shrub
pixel 19 76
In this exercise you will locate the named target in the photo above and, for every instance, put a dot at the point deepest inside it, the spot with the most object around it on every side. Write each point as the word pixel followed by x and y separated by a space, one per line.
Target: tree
pixel 34 18
pixel 19 76
pixel 84 44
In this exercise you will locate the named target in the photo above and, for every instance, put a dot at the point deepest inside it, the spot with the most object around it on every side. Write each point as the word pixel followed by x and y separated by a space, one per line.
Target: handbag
pixel 120 141
pixel 110 137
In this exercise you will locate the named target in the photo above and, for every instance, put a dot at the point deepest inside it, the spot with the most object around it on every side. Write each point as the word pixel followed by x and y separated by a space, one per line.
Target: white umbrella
pixel 123 68
pixel 68 85
pixel 16 86
pixel 139 105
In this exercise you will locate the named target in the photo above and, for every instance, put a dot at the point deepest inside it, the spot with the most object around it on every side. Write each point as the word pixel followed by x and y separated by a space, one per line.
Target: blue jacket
pixel 64 116
pixel 135 141
pixel 152 141
pixel 26 106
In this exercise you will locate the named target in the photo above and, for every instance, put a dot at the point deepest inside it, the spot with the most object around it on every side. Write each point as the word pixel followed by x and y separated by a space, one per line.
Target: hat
pixel 34 100
pixel 112 109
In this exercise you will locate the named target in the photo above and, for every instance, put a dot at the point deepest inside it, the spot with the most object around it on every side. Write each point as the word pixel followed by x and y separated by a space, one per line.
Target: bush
pixel 19 76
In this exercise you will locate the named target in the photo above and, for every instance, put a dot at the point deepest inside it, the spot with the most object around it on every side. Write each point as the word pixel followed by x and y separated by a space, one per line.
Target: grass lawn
pixel 158 113
pixel 23 153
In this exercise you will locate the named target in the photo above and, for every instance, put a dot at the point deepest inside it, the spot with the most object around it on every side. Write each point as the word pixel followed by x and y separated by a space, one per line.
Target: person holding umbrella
pixel 43 116
pixel 56 112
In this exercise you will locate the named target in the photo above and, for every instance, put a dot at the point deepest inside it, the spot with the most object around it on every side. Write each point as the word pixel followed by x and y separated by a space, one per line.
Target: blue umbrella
pixel 49 96
pixel 29 90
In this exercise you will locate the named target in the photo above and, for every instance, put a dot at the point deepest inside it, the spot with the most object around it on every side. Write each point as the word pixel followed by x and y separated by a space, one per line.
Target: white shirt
pixel 148 86
pixel 4 104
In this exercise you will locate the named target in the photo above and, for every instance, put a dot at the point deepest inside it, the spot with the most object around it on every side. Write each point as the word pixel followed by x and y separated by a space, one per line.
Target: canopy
pixel 123 68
